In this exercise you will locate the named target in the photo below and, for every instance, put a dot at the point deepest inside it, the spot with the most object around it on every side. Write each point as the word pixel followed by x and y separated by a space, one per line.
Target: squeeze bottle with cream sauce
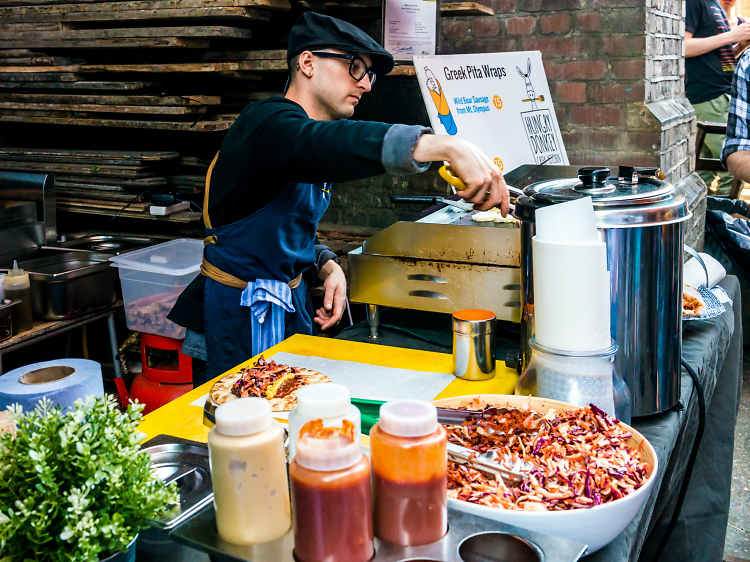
pixel 331 496
pixel 329 402
pixel 408 448
pixel 248 470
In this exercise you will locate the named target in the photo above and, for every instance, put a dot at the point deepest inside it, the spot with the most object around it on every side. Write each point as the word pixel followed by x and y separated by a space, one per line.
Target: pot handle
pixel 697 256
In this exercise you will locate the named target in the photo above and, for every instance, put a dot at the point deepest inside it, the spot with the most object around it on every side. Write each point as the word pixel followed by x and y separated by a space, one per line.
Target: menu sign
pixel 499 101
pixel 410 28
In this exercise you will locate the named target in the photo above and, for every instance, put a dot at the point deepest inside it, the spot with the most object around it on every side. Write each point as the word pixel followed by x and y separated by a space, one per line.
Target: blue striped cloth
pixel 269 300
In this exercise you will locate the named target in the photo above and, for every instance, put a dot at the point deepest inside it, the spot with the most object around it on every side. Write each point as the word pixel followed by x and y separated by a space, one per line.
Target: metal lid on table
pixel 634 197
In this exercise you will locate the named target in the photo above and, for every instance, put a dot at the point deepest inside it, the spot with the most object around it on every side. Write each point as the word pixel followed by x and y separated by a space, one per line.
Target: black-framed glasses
pixel 358 69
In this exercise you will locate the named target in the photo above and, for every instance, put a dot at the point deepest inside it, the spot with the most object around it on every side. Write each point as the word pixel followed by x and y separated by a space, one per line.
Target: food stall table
pixel 712 347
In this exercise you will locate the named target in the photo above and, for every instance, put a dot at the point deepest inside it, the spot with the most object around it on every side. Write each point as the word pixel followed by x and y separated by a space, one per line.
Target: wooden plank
pixel 115 184
pixel 105 195
pixel 49 26
pixel 170 15
pixel 208 124
pixel 36 76
pixel 95 108
pixel 183 217
pixel 113 43
pixel 216 56
pixel 235 66
pixel 465 9
pixel 169 100
pixel 33 38
pixel 29 7
pixel 13 53
pixel 69 202
pixel 78 169
pixel 134 157
pixel 195 161
pixel 82 85
pixel 40 61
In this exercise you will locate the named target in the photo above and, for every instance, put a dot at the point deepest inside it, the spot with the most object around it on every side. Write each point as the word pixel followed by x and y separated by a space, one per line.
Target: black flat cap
pixel 314 31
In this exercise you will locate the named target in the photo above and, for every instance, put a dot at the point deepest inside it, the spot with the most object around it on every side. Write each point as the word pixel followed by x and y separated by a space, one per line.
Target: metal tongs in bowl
pixel 490 463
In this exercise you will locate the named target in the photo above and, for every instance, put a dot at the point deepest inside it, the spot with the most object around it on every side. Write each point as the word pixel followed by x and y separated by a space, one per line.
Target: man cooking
pixel 269 185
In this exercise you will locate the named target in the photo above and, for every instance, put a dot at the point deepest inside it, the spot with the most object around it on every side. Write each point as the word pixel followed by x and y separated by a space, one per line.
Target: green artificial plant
pixel 74 486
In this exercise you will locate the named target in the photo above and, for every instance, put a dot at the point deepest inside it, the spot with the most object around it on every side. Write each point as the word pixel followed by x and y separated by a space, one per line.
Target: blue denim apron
pixel 276 242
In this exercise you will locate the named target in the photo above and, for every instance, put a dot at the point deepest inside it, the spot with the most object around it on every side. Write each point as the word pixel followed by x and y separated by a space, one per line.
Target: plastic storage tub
pixel 152 279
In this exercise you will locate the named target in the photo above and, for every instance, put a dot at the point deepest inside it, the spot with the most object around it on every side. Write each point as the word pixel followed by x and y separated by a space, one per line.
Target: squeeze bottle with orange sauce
pixel 408 448
pixel 248 470
pixel 331 495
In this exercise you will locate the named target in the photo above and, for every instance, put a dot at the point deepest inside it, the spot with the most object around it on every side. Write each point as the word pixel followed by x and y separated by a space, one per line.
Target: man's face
pixel 728 4
pixel 335 89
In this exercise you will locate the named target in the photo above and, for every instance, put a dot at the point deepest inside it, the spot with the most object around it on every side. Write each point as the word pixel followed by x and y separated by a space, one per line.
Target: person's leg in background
pixel 716 111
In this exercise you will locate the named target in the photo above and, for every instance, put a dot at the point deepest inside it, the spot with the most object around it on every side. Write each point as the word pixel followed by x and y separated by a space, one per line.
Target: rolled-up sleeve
pixel 398 147
pixel 738 135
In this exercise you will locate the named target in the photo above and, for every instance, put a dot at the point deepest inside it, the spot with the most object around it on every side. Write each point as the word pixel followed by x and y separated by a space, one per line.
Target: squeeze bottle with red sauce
pixel 248 470
pixel 331 496
pixel 409 455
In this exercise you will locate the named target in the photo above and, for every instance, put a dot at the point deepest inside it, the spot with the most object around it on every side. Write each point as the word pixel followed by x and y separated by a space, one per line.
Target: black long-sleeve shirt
pixel 274 142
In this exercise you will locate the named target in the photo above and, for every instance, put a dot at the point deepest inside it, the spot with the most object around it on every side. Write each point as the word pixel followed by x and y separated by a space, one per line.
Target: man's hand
pixel 477 171
pixel 334 283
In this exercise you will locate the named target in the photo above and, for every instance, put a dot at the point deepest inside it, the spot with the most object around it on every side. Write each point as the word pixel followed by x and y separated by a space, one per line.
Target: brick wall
pixel 594 58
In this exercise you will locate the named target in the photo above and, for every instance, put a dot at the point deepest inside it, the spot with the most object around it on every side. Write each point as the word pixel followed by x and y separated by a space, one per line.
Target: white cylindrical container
pixel 248 469
pixel 329 402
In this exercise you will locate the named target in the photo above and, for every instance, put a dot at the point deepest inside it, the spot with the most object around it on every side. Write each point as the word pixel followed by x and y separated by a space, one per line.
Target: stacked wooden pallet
pixel 105 181
pixel 138 63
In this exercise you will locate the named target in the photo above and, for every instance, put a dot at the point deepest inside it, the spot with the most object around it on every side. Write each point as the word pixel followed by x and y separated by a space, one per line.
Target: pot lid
pixel 628 188
pixel 634 197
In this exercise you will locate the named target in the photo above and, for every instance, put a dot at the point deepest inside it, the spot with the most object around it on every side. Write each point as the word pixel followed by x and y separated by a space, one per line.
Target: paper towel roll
pixel 62 382
pixel 571 307
pixel 694 275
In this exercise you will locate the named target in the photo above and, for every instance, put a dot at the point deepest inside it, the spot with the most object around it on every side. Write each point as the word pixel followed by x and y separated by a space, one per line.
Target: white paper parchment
pixel 370 381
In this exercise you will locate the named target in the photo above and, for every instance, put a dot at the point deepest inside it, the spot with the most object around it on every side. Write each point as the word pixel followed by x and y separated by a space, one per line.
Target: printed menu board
pixel 499 101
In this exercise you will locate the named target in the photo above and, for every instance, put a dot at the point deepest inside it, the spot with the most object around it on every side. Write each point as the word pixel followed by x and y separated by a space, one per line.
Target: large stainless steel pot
pixel 642 221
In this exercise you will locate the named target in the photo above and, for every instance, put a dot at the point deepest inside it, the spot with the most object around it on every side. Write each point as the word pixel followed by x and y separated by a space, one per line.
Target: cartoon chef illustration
pixel 441 103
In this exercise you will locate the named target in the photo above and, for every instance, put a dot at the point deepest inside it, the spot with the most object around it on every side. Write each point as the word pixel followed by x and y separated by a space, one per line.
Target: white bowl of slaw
pixel 595 526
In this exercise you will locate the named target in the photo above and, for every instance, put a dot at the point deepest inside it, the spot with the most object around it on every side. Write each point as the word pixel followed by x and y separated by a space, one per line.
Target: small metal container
pixel 474 344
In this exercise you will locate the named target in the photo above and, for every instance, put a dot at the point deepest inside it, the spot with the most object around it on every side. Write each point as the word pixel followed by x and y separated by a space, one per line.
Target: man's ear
pixel 305 63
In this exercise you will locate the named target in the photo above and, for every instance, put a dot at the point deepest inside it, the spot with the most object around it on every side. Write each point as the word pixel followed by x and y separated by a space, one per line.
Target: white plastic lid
pixel 323 400
pixel 243 416
pixel 408 418
pixel 176 257
pixel 327 455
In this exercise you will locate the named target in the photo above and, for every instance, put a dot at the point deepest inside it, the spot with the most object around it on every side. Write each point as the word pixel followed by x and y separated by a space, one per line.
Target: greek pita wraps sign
pixel 498 101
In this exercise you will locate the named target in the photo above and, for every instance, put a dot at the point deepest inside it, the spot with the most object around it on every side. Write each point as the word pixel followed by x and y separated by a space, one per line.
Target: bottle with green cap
pixel 18 287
